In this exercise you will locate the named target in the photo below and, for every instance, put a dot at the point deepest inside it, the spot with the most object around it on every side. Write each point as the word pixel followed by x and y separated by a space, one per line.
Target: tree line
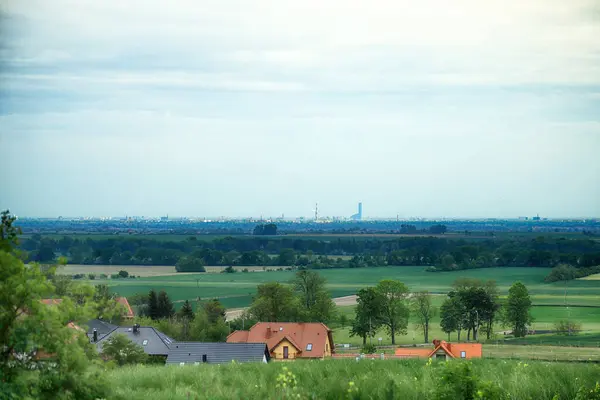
pixel 471 306
pixel 439 254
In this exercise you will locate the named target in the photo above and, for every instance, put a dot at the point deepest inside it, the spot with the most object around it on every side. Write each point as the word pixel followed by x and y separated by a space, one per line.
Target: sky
pixel 428 108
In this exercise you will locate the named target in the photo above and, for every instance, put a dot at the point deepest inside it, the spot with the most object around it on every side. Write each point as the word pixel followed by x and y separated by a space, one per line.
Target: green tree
pixel 41 357
pixel 421 307
pixel 123 274
pixel 308 284
pixel 190 264
pixel 165 306
pixel 214 311
pixel 395 311
pixel 561 272
pixel 123 351
pixel 369 308
pixel 186 311
pixel 275 302
pixel 480 304
pixel 9 234
pixel 451 314
pixel 315 300
pixel 286 257
pixel 106 306
pixel 517 310
pixel 153 310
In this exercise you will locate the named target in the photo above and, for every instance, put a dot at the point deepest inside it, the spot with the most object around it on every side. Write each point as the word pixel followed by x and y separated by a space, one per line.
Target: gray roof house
pixel 154 343
pixel 182 353
pixel 102 328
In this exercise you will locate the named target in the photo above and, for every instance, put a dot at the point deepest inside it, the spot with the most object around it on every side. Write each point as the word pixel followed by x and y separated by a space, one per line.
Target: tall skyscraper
pixel 358 216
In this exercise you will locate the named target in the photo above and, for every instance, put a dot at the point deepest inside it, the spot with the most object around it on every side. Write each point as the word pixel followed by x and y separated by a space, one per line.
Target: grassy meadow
pixel 236 290
pixel 348 379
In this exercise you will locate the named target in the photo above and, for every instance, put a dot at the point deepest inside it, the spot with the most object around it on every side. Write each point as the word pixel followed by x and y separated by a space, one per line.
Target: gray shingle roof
pixel 217 353
pixel 152 341
pixel 102 327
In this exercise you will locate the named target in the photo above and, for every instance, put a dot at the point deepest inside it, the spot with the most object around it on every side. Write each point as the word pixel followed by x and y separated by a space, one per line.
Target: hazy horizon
pixel 232 108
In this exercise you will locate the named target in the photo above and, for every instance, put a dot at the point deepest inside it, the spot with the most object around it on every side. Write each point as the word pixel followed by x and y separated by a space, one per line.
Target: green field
pixel 236 289
pixel 331 379
pixel 544 316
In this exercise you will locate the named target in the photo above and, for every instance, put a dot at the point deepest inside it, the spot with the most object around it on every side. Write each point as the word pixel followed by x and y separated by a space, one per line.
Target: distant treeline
pixel 438 253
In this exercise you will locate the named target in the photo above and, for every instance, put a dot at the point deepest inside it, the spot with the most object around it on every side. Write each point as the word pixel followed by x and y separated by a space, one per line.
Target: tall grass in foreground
pixel 344 379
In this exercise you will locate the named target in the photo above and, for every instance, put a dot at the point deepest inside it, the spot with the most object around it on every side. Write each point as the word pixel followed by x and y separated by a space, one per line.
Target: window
pixel 145 342
pixel 463 354
pixel 286 352
pixel 309 347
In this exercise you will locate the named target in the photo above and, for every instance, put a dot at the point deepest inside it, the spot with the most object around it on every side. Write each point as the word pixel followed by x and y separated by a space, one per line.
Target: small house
pixel 442 350
pixel 289 340
pixel 154 342
pixel 195 353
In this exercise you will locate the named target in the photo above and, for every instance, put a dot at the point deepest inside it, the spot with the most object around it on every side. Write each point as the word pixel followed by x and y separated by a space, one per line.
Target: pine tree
pixel 186 311
pixel 165 306
pixel 153 311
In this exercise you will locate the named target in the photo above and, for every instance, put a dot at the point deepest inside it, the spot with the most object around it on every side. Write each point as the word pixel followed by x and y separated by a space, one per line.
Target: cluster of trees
pixel 438 253
pixel 472 305
pixel 41 356
pixel 265 230
pixel 305 299
pixel 566 272
pixel 205 324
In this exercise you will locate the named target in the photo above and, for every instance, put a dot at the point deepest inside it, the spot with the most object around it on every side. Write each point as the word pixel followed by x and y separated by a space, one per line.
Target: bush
pixel 245 270
pixel 589 394
pixel 458 382
pixel 228 270
pixel 123 274
pixel 92 276
pixel 190 264
pixel 123 351
pixel 369 349
pixel 566 327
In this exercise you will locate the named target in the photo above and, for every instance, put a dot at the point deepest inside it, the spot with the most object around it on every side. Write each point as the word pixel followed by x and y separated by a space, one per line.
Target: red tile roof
pixel 299 334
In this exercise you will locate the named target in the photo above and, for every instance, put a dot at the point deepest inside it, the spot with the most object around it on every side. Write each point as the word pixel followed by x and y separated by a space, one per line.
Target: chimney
pixel 204 358
pixel 136 328
pixel 436 342
pixel 95 334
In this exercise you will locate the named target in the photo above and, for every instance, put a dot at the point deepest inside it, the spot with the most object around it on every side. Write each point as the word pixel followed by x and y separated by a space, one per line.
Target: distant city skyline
pixel 461 109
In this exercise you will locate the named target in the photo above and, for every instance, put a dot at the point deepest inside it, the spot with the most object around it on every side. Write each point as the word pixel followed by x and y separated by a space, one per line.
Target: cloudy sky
pixel 428 108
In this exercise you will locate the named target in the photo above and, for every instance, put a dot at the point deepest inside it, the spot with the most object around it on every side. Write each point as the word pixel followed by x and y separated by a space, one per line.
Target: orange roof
pixel 238 337
pixel 298 334
pixel 454 350
pixel 128 311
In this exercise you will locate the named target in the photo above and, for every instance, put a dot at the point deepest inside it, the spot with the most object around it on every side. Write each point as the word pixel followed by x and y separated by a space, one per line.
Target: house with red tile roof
pixel 289 340
pixel 442 350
